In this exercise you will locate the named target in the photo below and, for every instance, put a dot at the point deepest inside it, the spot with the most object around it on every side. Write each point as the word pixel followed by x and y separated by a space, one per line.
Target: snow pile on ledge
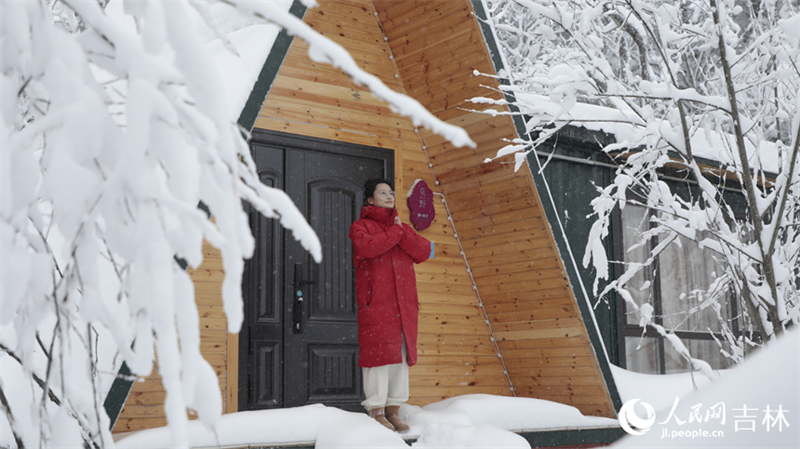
pixel 488 421
pixel 517 414
pixel 659 390
pixel 464 421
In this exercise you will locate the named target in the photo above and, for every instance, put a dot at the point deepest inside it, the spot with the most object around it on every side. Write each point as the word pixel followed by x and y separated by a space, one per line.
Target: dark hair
pixel 372 184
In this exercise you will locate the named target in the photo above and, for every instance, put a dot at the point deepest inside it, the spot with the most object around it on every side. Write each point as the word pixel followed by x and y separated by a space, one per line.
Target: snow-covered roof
pixel 238 60
pixel 626 126
pixel 239 72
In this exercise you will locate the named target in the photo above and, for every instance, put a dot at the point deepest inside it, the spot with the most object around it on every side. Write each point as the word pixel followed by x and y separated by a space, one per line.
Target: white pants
pixel 387 384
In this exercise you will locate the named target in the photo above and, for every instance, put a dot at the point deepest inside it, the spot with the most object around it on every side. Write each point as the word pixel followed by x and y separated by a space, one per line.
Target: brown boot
pixel 378 415
pixel 393 416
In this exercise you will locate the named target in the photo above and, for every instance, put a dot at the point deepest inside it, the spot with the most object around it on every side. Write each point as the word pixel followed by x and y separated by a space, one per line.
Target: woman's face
pixel 383 196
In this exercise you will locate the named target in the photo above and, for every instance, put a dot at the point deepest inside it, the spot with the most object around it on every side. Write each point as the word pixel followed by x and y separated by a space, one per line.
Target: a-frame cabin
pixel 498 309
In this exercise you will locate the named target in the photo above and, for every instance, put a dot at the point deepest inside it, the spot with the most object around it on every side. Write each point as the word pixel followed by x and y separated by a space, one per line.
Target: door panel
pixel 331 373
pixel 268 384
pixel 335 204
pixel 300 333
pixel 261 338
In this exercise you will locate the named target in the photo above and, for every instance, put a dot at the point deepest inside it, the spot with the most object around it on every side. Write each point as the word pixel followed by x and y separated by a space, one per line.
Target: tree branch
pixel 6 407
pixel 785 194
pixel 35 378
pixel 766 256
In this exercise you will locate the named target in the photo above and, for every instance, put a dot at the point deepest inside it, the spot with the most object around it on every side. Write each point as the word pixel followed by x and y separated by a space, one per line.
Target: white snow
pixel 769 380
pixel 658 390
pixel 239 70
pixel 110 137
pixel 238 49
pixel 628 127
pixel 464 421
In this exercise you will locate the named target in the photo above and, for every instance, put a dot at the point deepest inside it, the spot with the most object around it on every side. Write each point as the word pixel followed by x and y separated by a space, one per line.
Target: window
pixel 666 286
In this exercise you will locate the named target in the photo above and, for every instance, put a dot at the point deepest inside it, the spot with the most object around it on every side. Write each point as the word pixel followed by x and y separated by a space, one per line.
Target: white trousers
pixel 387 384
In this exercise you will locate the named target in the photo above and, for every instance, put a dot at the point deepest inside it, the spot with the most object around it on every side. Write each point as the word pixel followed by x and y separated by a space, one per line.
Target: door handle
pixel 299 294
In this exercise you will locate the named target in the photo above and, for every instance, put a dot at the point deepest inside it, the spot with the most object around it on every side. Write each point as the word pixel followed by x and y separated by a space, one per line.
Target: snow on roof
pixel 626 126
pixel 240 71
pixel 239 63
pixel 251 40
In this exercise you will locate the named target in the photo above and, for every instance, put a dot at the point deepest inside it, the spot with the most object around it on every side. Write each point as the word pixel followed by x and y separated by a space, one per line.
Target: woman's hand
pixel 397 220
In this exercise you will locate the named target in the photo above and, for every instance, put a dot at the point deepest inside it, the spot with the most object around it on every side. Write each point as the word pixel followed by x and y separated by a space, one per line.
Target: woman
pixel 384 253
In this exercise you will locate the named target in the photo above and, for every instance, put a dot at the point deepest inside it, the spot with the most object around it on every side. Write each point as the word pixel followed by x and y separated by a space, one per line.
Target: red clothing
pixel 384 254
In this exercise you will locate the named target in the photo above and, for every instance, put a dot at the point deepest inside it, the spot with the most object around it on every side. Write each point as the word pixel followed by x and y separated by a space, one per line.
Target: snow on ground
pixel 756 405
pixel 487 421
pixel 465 422
pixel 658 390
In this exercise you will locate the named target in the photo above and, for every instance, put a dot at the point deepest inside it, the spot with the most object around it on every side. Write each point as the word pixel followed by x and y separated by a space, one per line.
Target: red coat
pixel 384 254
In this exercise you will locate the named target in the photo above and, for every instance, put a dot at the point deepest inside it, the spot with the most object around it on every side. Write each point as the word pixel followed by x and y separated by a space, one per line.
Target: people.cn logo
pixel 634 424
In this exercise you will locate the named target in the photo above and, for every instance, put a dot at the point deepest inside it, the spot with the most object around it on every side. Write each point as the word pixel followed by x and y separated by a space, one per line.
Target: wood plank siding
pixel 456 353
pixel 496 212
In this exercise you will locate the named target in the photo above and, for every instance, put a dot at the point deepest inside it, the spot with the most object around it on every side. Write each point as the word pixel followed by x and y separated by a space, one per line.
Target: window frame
pixel 634 330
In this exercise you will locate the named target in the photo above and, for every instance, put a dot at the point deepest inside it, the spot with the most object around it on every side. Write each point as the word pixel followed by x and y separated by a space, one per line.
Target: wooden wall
pixel 437 44
pixel 144 408
pixel 456 353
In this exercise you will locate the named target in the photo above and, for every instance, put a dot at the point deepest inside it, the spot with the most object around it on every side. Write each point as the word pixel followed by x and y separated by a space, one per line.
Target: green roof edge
pixel 269 71
pixel 552 216
pixel 118 394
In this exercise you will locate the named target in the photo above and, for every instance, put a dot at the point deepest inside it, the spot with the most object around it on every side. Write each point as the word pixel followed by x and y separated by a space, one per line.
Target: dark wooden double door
pixel 299 340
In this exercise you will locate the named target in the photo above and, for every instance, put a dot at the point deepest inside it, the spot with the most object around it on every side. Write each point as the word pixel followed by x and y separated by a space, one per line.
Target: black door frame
pixel 306 143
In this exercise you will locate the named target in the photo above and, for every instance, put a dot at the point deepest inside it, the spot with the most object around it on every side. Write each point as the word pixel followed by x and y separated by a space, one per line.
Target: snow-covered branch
pixel 678 85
